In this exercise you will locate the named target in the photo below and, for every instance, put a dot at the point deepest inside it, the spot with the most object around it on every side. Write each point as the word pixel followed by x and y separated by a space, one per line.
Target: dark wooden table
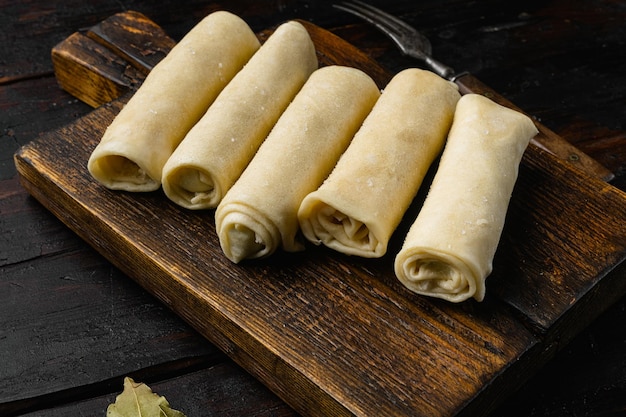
pixel 72 326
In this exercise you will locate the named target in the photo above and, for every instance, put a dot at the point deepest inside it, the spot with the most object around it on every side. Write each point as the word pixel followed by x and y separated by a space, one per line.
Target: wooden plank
pixel 222 390
pixel 29 108
pixel 337 335
pixel 27 232
pixel 77 319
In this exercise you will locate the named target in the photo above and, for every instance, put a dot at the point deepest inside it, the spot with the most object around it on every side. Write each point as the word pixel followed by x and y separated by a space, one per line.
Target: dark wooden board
pixel 334 335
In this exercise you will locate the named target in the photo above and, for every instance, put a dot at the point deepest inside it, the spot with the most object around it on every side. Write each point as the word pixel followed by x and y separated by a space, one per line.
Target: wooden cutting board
pixel 337 335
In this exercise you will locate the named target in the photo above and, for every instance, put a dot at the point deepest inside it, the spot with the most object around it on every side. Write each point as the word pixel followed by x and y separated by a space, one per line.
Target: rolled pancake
pixel 357 209
pixel 449 249
pixel 172 98
pixel 259 213
pixel 219 147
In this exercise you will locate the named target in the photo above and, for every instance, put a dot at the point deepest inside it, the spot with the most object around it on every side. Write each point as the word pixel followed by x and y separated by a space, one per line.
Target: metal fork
pixel 410 41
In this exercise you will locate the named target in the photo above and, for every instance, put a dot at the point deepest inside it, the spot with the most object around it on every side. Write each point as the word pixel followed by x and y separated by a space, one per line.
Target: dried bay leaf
pixel 138 400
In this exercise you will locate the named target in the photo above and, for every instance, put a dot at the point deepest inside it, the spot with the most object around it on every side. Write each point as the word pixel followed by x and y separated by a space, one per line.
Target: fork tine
pixel 395 28
pixel 408 39
pixel 372 18
pixel 377 13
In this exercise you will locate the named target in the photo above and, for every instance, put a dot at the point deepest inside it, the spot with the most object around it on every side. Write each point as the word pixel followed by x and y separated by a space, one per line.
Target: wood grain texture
pixel 111 58
pixel 105 75
pixel 134 38
pixel 334 335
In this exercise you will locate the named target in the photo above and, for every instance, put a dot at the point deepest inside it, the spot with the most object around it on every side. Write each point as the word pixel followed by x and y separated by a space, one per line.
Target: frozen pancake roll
pixel 219 147
pixel 259 213
pixel 449 249
pixel 357 209
pixel 173 97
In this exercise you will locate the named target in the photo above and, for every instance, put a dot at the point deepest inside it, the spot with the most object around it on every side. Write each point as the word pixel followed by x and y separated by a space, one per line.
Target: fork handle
pixel 546 138
pixel 439 68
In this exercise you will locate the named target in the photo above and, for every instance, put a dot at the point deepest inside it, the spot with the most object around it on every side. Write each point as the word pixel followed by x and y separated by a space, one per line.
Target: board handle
pixel 111 58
